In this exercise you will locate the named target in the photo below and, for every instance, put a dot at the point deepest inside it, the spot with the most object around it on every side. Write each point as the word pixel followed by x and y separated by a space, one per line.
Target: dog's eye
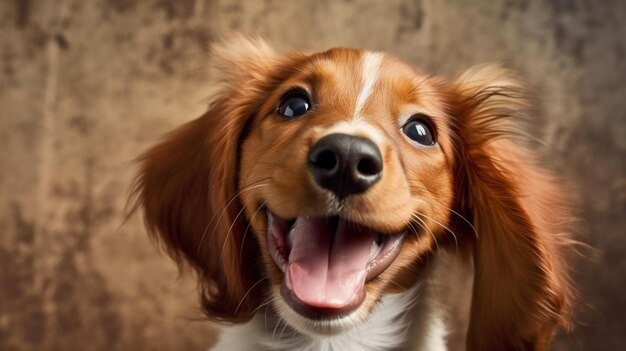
pixel 294 104
pixel 419 131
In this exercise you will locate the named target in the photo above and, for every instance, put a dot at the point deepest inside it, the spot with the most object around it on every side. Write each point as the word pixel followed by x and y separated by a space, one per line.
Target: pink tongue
pixel 327 272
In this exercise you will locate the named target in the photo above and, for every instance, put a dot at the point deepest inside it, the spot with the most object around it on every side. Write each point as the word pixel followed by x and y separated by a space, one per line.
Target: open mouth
pixel 327 261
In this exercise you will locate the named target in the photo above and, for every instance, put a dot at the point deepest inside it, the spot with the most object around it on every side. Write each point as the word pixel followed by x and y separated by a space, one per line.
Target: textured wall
pixel 86 85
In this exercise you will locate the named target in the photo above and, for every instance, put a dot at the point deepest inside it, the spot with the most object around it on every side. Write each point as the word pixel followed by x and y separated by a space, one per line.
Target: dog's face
pixel 345 177
pixel 322 181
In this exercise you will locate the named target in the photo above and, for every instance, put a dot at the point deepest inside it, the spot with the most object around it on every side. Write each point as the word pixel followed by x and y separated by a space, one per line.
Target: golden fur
pixel 203 188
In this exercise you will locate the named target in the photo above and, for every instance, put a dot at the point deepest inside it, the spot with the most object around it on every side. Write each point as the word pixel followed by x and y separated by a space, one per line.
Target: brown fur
pixel 521 291
pixel 187 184
pixel 204 187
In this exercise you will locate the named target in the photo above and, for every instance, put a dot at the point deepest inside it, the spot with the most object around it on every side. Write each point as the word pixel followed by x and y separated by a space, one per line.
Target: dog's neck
pixel 385 329
pixel 410 320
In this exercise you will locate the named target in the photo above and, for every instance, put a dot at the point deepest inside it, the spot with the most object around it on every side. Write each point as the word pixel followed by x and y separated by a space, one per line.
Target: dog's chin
pixel 329 326
pixel 326 264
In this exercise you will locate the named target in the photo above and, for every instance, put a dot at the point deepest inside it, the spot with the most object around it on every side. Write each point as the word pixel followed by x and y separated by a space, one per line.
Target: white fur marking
pixel 371 67
pixel 413 320
pixel 433 329
pixel 385 329
pixel 358 128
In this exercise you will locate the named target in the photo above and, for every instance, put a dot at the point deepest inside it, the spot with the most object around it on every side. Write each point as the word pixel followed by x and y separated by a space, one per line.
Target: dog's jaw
pixel 327 261
pixel 320 327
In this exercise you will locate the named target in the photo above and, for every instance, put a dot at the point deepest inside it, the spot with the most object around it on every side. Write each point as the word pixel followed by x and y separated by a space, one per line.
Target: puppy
pixel 343 200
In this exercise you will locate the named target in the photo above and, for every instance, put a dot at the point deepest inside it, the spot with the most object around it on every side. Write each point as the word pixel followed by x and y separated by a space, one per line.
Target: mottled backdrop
pixel 86 85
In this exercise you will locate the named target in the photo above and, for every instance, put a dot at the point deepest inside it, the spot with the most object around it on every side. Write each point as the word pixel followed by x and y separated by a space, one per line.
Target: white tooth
pixel 291 235
pixel 374 250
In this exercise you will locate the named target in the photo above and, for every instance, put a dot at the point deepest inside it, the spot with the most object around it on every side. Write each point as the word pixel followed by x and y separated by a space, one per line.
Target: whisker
pixel 451 210
pixel 276 327
pixel 265 315
pixel 230 229
pixel 282 331
pixel 456 241
pixel 413 228
pixel 460 216
pixel 248 292
pixel 230 202
pixel 398 285
pixel 247 187
pixel 245 233
pixel 423 224
pixel 263 304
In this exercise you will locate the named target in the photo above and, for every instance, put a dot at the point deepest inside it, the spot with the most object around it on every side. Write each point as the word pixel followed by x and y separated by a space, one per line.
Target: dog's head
pixel 322 181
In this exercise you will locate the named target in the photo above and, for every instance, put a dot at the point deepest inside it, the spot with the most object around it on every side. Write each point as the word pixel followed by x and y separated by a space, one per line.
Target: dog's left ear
pixel 520 213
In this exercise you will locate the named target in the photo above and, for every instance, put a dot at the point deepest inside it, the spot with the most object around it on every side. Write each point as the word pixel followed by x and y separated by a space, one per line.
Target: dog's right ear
pixel 187 184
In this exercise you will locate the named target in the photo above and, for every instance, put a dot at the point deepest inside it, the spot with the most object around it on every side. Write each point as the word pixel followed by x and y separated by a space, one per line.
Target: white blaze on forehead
pixel 370 68
pixel 357 128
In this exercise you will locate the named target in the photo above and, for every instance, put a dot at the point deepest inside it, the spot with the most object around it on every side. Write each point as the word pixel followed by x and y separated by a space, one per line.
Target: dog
pixel 342 200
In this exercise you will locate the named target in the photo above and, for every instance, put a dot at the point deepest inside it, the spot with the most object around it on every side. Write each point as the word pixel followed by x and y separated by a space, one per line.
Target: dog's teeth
pixel 375 250
pixel 291 236
pixel 377 246
pixel 380 239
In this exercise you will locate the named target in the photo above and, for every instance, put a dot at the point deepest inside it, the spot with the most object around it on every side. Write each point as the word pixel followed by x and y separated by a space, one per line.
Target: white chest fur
pixel 412 320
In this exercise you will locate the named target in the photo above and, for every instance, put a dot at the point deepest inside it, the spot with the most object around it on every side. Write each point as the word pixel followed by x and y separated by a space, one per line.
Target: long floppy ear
pixel 187 184
pixel 520 213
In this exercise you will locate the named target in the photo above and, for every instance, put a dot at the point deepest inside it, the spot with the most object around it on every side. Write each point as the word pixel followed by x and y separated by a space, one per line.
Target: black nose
pixel 345 164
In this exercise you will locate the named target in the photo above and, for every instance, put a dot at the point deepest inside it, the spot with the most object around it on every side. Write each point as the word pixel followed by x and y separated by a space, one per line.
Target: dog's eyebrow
pixel 370 68
pixel 410 111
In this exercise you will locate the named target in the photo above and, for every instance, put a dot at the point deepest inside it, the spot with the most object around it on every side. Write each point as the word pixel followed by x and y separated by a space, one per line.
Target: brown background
pixel 86 85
